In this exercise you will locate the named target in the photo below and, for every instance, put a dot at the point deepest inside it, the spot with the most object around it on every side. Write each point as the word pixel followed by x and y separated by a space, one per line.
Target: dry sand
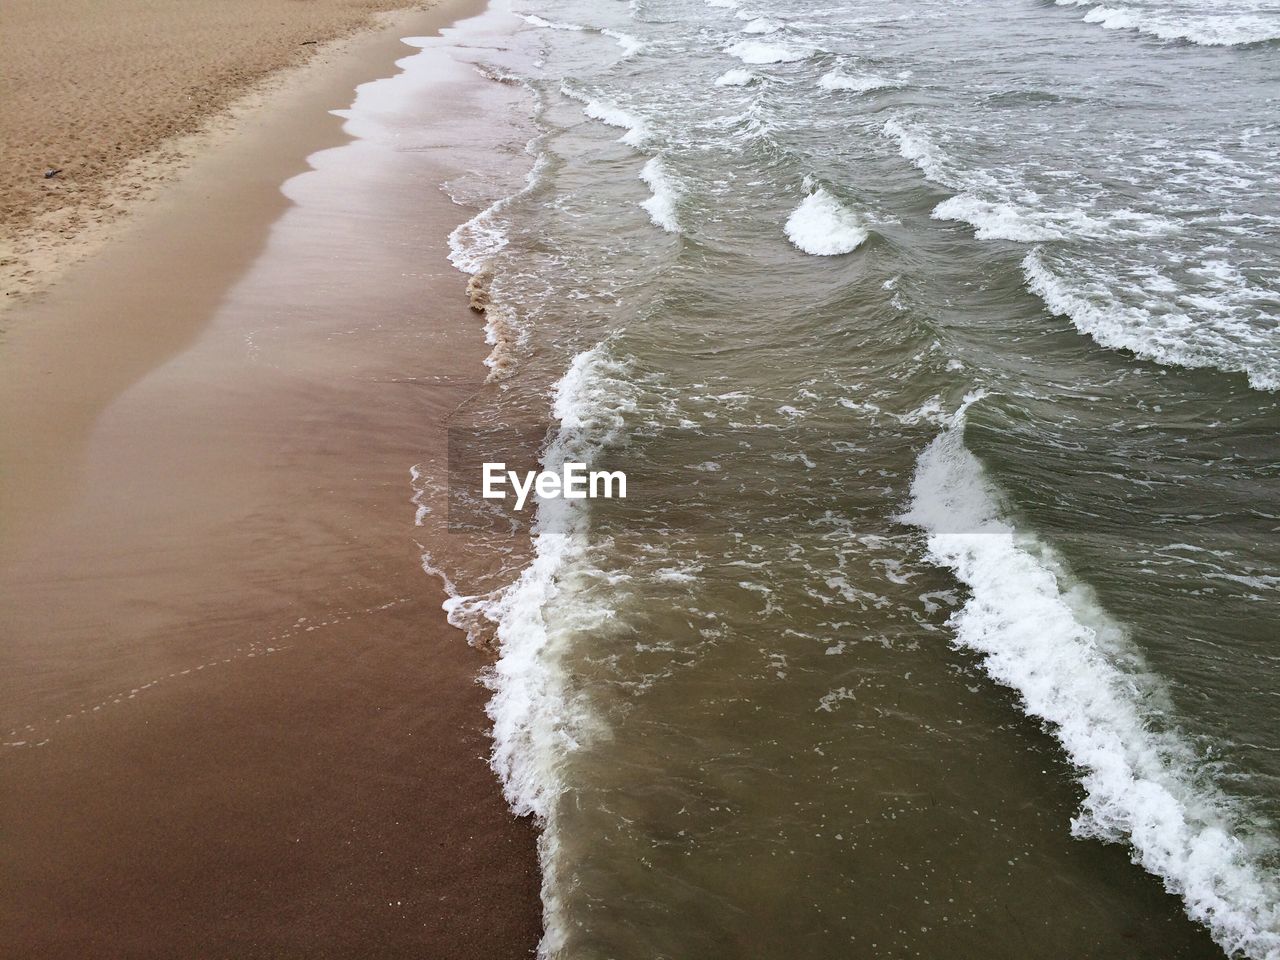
pixel 234 722
pixel 111 91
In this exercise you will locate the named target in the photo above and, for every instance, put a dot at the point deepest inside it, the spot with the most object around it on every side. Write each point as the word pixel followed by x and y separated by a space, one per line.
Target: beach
pixel 236 722
pixel 933 345
pixel 114 102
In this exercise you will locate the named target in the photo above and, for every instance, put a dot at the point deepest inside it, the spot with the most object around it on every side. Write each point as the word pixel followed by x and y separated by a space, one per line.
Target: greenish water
pixel 939 344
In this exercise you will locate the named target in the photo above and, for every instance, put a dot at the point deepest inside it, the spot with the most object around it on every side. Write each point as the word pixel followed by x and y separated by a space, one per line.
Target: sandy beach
pixel 235 722
pixel 118 100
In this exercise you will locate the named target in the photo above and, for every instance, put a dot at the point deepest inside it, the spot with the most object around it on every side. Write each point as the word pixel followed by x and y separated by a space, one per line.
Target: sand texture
pixel 104 90
pixel 233 720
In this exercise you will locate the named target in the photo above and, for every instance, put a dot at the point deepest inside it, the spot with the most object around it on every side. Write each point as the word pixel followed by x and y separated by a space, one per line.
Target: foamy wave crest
pixel 472 247
pixel 1224 29
pixel 472 243
pixel 836 80
pixel 736 78
pixel 661 207
pixel 755 52
pixel 548 24
pixel 821 226
pixel 629 44
pixel 1215 339
pixel 915 145
pixel 998 220
pixel 637 131
pixel 536 719
pixel 1044 637
pixel 761 25
pixel 723 4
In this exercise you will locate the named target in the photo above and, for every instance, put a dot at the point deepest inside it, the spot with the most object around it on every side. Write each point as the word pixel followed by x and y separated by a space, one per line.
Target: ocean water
pixel 940 342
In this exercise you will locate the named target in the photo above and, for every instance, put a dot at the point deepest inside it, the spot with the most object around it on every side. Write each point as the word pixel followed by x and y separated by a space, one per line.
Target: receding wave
pixel 1042 635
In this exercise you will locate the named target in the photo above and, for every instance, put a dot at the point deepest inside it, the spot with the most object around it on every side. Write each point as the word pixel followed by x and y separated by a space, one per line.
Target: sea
pixel 939 341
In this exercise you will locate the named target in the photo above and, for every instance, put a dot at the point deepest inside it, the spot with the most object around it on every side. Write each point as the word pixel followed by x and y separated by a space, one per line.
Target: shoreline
pixel 236 721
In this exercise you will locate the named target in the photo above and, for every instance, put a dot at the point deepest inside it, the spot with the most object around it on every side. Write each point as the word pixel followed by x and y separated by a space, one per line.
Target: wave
pixel 736 78
pixel 821 226
pixel 999 220
pixel 1172 338
pixel 755 52
pixel 629 44
pixel 472 247
pixel 637 131
pixel 761 25
pixel 1224 323
pixel 661 207
pixel 1225 30
pixel 548 24
pixel 537 721
pixel 916 146
pixel 835 80
pixel 1044 637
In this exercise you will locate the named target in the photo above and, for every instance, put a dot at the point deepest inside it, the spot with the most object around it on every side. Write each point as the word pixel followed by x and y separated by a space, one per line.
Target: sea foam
pixel 836 80
pixel 1219 339
pixel 661 207
pixel 756 52
pixel 636 129
pixel 821 226
pixel 537 21
pixel 1227 29
pixel 1044 637
pixel 736 78
pixel 537 721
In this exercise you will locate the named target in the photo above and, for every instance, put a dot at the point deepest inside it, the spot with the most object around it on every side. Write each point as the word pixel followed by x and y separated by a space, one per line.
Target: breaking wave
pixel 1042 635
pixel 821 226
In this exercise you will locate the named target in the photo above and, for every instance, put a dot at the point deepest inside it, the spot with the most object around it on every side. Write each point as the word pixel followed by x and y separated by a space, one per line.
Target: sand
pixel 120 95
pixel 234 721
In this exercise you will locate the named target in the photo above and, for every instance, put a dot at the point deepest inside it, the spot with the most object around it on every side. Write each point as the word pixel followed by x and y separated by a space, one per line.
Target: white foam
pixel 1217 338
pixel 1198 26
pixel 724 4
pixel 914 144
pixel 821 226
pixel 474 242
pixel 637 130
pixel 762 25
pixel 756 52
pixel 836 80
pixel 629 44
pixel 536 719
pixel 661 207
pixel 1031 222
pixel 736 78
pixel 548 24
pixel 1044 637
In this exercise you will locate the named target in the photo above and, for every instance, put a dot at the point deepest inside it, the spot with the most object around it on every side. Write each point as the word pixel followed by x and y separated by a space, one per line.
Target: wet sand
pixel 235 723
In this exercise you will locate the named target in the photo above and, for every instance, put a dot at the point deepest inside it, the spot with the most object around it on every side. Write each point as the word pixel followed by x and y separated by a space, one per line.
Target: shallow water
pixel 939 344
